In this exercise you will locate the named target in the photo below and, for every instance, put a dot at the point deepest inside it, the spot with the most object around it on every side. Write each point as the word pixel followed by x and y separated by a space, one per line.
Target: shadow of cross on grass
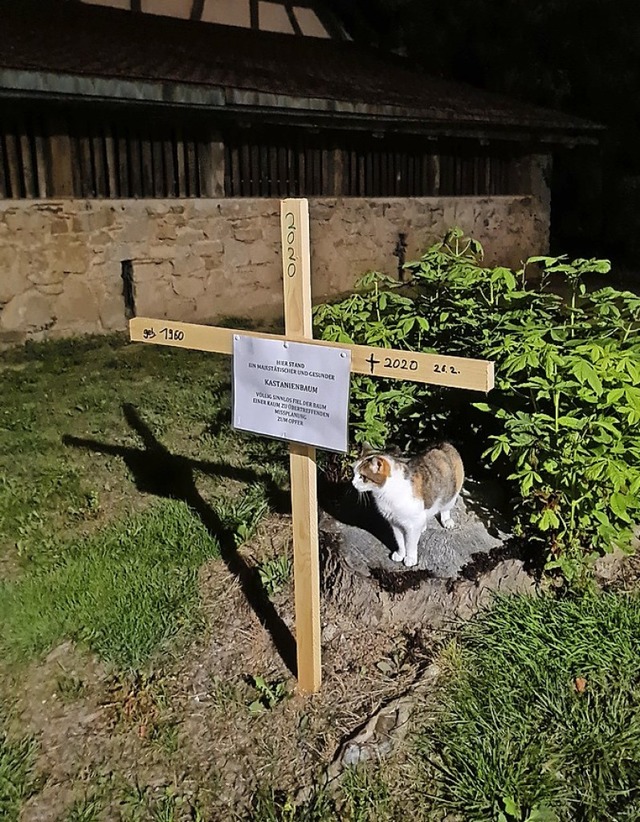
pixel 159 472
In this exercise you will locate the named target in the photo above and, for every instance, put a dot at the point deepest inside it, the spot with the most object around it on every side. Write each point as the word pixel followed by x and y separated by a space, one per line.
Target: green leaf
pixel 549 519
pixel 570 422
pixel 511 806
pixel 542 813
pixel 256 707
pixel 619 505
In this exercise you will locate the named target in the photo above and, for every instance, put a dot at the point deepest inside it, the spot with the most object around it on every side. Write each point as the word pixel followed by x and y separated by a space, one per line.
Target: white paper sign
pixel 291 391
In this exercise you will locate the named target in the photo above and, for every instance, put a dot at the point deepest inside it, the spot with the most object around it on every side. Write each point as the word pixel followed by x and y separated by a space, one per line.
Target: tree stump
pixel 458 569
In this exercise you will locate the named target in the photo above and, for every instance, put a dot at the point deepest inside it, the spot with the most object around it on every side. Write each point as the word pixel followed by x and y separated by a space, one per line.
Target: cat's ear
pixel 367 449
pixel 394 451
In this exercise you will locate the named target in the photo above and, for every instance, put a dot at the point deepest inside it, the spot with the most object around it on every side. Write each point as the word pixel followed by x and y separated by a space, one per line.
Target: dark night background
pixel 579 56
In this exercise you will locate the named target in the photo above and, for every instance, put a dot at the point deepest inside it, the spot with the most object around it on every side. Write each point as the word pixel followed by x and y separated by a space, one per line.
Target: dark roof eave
pixel 285 108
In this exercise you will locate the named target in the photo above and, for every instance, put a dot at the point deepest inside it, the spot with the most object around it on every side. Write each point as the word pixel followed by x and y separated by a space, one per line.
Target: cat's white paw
pixel 397 556
pixel 410 561
pixel 448 523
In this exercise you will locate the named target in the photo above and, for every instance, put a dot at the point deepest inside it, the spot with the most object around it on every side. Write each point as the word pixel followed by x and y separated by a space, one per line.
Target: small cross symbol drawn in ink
pixel 372 361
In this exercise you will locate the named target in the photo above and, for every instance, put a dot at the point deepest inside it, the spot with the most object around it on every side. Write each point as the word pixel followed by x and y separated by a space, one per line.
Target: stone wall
pixel 204 260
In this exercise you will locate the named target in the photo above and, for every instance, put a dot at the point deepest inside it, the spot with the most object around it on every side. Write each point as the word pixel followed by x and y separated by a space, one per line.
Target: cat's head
pixel 371 470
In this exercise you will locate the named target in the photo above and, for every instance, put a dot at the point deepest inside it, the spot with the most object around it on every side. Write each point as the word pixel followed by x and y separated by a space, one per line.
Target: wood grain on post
pixel 296 264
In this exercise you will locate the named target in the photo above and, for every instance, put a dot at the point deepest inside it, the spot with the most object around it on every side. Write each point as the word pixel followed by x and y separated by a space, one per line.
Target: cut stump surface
pixel 458 569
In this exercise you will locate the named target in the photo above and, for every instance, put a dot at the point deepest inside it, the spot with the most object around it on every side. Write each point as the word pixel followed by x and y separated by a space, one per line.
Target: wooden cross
pixel 457 372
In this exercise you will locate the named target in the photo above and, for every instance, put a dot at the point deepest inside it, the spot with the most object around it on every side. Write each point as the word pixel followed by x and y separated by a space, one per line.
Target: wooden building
pixel 158 136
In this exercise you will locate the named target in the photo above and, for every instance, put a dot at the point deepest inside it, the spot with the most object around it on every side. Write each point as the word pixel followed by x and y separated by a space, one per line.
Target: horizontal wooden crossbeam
pixel 435 369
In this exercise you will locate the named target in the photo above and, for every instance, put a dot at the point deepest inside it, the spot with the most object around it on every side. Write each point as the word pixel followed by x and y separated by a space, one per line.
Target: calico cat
pixel 409 490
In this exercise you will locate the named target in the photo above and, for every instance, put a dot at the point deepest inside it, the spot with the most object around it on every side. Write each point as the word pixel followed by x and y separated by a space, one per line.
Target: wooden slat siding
pixel 314 165
pixel 272 164
pixel 368 174
pixel 245 170
pixel 302 172
pixel 146 168
pixel 99 165
pixel 391 174
pixel 135 169
pixel 282 171
pixel 110 161
pixel 318 174
pixel 335 172
pixel 292 170
pixel 306 174
pixel 123 154
pixel 159 181
pixel 401 174
pixel 84 184
pixel 169 162
pixel 29 179
pixel 193 188
pixel 310 155
pixel 264 170
pixel 204 167
pixel 12 149
pixel 412 188
pixel 425 175
pixel 181 171
pixel 465 169
pixel 184 139
pixel 395 174
pixel 203 177
pixel 235 190
pixel 450 178
pixel 253 176
pixel 4 176
pixel 445 175
pixel 228 170
pixel 316 170
pixel 492 176
pixel 434 174
pixel 328 171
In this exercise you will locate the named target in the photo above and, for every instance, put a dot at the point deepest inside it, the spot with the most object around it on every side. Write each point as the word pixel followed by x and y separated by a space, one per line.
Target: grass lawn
pixel 107 451
pixel 124 498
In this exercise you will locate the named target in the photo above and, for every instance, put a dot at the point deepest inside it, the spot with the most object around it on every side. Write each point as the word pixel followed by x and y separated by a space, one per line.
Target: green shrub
pixel 561 424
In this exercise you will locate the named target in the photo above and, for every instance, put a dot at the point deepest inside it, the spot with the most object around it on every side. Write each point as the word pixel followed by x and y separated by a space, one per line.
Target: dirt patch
pixel 190 727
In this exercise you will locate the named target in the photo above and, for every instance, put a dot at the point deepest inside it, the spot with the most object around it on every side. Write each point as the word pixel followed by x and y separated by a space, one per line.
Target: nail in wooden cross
pixel 456 372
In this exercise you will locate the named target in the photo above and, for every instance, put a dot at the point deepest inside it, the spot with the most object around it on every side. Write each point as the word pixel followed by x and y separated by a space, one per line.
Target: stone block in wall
pixel 108 293
pixel 209 248
pixel 29 311
pixel 191 288
pixel 247 235
pixel 12 275
pixel 77 307
pixel 68 257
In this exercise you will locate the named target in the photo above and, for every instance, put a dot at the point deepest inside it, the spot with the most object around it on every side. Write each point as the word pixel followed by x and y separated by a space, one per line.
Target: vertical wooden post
pixel 296 264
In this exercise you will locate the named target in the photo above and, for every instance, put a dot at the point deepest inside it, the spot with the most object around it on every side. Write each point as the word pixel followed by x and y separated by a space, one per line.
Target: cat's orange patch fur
pixel 376 469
